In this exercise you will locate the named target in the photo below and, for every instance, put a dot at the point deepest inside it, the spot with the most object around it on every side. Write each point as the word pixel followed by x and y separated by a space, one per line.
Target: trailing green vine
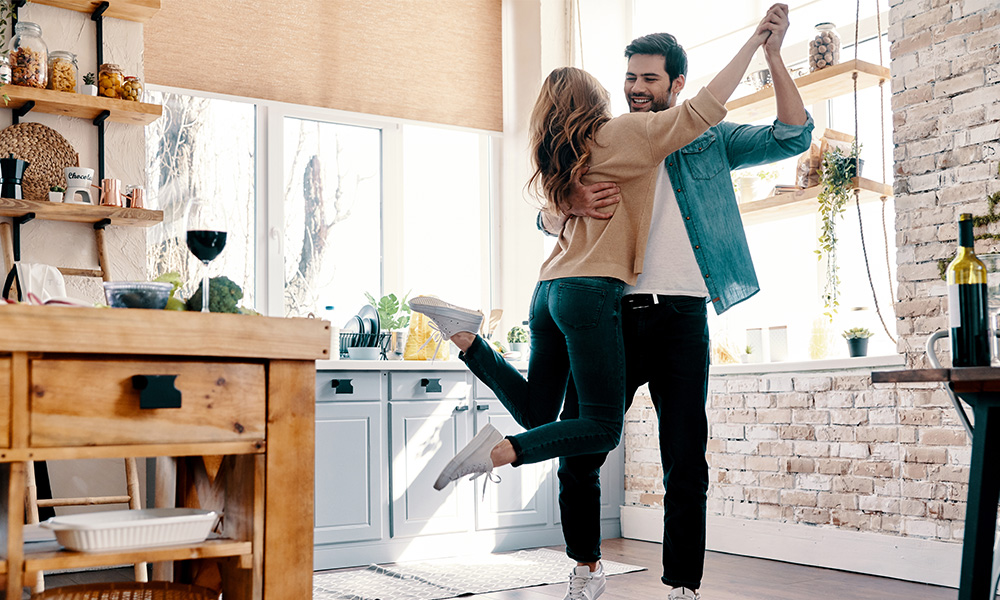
pixel 835 180
pixel 991 216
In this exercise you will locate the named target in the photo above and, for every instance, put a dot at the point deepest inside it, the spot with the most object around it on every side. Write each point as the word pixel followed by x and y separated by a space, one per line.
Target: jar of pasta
pixel 62 71
pixel 132 89
pixel 110 80
pixel 824 49
pixel 29 56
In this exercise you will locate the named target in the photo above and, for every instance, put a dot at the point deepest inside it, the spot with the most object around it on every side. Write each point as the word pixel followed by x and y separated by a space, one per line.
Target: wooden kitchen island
pixel 225 402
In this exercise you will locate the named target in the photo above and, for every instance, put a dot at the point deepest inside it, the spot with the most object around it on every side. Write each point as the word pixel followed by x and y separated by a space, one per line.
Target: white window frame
pixel 269 197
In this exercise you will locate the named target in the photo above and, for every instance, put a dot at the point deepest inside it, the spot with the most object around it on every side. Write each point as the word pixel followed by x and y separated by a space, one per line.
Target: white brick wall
pixel 831 449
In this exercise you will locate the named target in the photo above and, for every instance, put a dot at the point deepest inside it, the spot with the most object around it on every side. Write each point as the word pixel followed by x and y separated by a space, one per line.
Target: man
pixel 697 251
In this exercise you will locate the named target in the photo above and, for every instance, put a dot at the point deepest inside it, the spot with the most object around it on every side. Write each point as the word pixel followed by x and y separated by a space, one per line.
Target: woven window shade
pixel 429 60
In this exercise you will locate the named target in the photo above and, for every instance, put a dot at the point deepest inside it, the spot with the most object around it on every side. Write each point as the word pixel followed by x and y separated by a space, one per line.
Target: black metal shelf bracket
pixel 102 223
pixel 16 241
pixel 98 18
pixel 99 122
pixel 20 111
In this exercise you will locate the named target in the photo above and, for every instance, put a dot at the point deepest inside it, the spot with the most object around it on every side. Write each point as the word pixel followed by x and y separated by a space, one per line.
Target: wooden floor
pixel 727 577
pixel 730 577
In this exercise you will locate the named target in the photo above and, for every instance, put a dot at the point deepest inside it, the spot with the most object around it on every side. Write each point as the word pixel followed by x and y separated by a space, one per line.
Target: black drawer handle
pixel 482 407
pixel 431 385
pixel 342 386
pixel 462 407
pixel 156 391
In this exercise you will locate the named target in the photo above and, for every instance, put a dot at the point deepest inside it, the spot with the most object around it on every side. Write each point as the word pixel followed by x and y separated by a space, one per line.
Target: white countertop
pixel 401 365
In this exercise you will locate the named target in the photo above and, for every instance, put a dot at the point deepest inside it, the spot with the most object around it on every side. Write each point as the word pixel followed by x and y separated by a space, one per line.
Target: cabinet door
pixel 424 436
pixel 349 485
pixel 522 496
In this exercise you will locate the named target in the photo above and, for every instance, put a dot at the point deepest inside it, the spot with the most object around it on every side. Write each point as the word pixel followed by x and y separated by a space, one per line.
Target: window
pixel 202 147
pixel 354 204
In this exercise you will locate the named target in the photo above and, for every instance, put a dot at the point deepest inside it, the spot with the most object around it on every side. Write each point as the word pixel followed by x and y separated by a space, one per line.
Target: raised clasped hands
pixel 772 28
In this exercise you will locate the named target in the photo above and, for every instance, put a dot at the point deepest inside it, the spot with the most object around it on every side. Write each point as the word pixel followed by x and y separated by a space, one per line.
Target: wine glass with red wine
pixel 206 236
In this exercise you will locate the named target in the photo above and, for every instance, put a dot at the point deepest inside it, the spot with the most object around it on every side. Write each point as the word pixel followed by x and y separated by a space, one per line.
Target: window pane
pixel 443 191
pixel 332 211
pixel 202 147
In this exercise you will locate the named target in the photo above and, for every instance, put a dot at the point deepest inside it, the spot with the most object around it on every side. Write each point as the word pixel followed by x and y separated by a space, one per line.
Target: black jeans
pixel 576 336
pixel 666 345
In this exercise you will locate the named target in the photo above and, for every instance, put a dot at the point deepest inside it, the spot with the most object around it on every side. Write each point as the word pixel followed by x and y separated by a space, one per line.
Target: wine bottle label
pixel 954 310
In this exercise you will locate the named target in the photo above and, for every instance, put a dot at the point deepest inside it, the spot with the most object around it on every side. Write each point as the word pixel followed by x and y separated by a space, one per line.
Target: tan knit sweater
pixel 628 150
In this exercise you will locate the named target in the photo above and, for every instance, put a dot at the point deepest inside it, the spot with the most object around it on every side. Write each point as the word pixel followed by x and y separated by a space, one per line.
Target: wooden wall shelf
pixel 870 190
pixel 80 213
pixel 49 556
pixel 130 10
pixel 815 87
pixel 81 106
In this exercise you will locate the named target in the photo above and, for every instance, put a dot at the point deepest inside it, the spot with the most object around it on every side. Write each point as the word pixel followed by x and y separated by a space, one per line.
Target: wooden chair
pixel 33 503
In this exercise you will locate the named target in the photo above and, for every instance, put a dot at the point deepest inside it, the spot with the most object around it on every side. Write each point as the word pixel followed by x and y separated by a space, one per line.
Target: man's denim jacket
pixel 700 174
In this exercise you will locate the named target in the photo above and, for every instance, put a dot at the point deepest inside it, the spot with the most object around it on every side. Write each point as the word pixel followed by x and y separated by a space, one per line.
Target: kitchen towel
pixel 451 577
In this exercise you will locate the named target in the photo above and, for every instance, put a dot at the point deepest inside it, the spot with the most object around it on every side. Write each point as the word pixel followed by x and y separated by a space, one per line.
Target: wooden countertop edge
pixel 161 332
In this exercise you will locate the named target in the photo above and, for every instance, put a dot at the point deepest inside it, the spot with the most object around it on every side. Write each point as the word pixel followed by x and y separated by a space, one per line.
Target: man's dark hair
pixel 665 45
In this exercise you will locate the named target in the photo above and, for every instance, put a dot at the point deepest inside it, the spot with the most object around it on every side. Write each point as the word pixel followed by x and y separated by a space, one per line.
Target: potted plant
pixel 518 339
pixel 89 85
pixel 56 193
pixel 857 341
pixel 836 183
pixel 394 317
pixel 745 355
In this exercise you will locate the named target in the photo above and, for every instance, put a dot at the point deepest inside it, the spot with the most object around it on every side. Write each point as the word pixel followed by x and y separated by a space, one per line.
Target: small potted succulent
pixel 56 193
pixel 857 341
pixel 745 355
pixel 518 339
pixel 89 86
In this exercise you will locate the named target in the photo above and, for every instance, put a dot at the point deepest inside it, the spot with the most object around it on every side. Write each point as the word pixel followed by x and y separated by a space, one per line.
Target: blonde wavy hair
pixel 572 105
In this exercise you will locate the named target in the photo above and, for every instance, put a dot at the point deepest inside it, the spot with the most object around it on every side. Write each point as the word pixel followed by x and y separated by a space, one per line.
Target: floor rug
pixel 451 577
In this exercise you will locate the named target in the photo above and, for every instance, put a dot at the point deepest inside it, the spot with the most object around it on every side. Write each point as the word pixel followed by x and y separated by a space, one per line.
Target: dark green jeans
pixel 666 346
pixel 576 336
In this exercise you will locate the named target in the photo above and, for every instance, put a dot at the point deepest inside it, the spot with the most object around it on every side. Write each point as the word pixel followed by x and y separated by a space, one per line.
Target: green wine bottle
pixel 967 305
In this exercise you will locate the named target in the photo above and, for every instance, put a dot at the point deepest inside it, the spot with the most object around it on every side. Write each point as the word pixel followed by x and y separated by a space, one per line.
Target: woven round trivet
pixel 47 151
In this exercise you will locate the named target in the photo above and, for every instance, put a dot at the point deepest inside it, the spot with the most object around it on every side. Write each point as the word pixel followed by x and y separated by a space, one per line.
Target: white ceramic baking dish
pixel 127 529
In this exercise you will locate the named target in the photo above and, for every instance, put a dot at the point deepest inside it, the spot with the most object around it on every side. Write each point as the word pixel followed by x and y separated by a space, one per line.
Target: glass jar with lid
pixel 63 71
pixel 29 56
pixel 110 79
pixel 824 49
pixel 132 89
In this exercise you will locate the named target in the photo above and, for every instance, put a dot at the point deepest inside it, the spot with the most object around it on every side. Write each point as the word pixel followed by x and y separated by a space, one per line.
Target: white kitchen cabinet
pixel 425 435
pixel 350 486
pixel 384 431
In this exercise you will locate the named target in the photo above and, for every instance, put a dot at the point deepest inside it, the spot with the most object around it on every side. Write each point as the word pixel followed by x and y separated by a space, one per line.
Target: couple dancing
pixel 637 259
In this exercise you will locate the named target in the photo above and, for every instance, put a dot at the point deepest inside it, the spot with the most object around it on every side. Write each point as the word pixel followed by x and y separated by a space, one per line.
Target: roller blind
pixel 428 60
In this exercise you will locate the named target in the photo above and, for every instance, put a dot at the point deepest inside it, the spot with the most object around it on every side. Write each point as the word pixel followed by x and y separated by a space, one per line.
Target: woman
pixel 574 313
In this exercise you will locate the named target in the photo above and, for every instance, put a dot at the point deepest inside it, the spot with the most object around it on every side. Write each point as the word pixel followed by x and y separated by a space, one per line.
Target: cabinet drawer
pixel 335 386
pixel 4 402
pixel 85 402
pixel 427 385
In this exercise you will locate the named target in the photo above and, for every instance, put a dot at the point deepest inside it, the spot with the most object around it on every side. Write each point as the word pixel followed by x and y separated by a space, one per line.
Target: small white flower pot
pixel 55 196
pixel 90 90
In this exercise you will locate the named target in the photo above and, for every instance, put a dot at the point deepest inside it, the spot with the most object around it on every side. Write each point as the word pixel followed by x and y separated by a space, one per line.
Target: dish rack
pixel 381 340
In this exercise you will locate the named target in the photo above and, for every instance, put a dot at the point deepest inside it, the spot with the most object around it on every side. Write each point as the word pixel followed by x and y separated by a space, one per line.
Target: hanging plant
pixel 835 180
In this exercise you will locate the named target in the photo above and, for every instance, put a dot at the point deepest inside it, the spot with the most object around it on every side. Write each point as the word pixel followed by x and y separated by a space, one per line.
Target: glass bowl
pixel 137 294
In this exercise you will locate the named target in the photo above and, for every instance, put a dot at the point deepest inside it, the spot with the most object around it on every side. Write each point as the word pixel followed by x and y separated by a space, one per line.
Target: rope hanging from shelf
pixel 857 189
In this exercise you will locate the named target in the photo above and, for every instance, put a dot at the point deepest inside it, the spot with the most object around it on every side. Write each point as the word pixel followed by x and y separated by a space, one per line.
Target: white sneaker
pixel 683 593
pixel 473 460
pixel 584 584
pixel 448 318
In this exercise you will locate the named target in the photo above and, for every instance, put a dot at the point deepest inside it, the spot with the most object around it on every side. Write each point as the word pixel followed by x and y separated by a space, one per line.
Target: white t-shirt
pixel 669 267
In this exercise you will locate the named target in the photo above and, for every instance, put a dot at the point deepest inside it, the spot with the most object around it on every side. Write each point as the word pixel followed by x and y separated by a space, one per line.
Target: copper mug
pixel 111 192
pixel 135 197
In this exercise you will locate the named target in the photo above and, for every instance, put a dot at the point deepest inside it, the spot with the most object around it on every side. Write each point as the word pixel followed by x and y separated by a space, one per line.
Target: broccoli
pixel 223 296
